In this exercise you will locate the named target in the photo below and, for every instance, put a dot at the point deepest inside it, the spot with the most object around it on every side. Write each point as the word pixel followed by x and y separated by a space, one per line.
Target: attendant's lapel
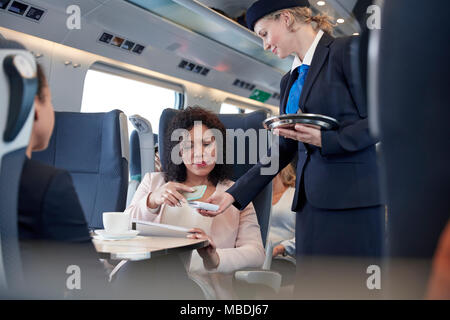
pixel 318 61
pixel 286 90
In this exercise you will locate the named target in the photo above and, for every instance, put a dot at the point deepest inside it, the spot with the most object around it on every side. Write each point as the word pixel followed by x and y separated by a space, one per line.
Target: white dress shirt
pixel 309 54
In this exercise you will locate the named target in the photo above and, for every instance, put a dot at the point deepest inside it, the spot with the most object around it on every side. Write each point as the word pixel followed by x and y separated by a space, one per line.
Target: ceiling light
pixel 356 34
pixel 340 20
pixel 321 3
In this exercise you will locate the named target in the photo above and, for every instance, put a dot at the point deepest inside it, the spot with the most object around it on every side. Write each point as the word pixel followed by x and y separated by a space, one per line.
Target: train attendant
pixel 337 199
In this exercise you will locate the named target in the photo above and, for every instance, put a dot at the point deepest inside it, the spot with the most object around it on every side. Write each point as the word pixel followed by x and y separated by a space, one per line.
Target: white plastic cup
pixel 116 222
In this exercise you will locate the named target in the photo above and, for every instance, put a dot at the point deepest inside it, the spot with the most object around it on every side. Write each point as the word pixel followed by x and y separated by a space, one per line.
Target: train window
pixel 229 108
pixel 104 92
pixel 233 109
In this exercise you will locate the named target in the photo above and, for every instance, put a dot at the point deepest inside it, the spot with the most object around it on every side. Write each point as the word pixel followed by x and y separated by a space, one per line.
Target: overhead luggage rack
pixel 202 20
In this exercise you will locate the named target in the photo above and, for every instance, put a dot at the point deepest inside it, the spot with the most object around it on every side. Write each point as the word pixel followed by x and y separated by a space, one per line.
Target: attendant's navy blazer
pixel 343 174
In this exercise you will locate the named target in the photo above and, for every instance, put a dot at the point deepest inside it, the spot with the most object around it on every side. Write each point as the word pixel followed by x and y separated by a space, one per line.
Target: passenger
pixel 49 207
pixel 234 237
pixel 282 229
pixel 282 221
pixel 50 217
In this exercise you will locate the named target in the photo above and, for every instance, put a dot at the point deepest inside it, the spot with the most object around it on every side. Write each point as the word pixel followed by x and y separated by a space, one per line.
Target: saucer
pixel 130 234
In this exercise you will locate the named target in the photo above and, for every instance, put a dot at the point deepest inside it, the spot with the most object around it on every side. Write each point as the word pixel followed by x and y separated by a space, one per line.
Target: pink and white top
pixel 236 234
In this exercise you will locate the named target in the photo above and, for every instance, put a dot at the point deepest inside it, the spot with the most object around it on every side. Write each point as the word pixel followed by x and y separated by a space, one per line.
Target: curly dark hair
pixel 42 82
pixel 185 120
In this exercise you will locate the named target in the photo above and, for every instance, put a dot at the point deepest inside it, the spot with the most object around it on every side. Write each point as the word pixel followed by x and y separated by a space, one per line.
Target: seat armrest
pixel 268 260
pixel 207 290
pixel 132 187
pixel 267 278
pixel 286 258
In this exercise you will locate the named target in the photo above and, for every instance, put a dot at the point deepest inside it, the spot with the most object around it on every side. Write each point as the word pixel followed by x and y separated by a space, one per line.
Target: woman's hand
pixel 211 259
pixel 223 199
pixel 304 133
pixel 278 250
pixel 168 194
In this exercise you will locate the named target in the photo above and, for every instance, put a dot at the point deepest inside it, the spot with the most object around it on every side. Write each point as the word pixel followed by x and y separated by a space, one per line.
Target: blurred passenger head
pixel 287 176
pixel 199 134
pixel 44 115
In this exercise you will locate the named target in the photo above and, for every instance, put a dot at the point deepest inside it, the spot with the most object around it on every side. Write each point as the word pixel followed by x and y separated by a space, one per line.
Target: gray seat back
pixel 142 153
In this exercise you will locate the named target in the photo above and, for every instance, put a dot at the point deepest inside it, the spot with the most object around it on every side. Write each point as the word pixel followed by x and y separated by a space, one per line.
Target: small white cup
pixel 116 222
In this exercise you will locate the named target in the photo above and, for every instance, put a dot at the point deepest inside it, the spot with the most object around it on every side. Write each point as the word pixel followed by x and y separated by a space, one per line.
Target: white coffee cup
pixel 116 222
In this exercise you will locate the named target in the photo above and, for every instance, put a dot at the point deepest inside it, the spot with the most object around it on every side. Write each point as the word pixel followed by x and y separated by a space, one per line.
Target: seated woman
pixel 282 227
pixel 234 237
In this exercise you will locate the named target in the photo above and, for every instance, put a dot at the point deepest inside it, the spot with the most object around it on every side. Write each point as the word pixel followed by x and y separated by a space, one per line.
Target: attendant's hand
pixel 278 250
pixel 168 194
pixel 305 133
pixel 211 259
pixel 223 199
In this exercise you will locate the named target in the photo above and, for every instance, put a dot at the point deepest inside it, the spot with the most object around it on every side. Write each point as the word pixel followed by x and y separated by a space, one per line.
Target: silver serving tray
pixel 288 121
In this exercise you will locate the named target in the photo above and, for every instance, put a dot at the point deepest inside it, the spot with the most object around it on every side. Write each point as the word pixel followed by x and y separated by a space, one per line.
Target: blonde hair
pixel 287 176
pixel 304 15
